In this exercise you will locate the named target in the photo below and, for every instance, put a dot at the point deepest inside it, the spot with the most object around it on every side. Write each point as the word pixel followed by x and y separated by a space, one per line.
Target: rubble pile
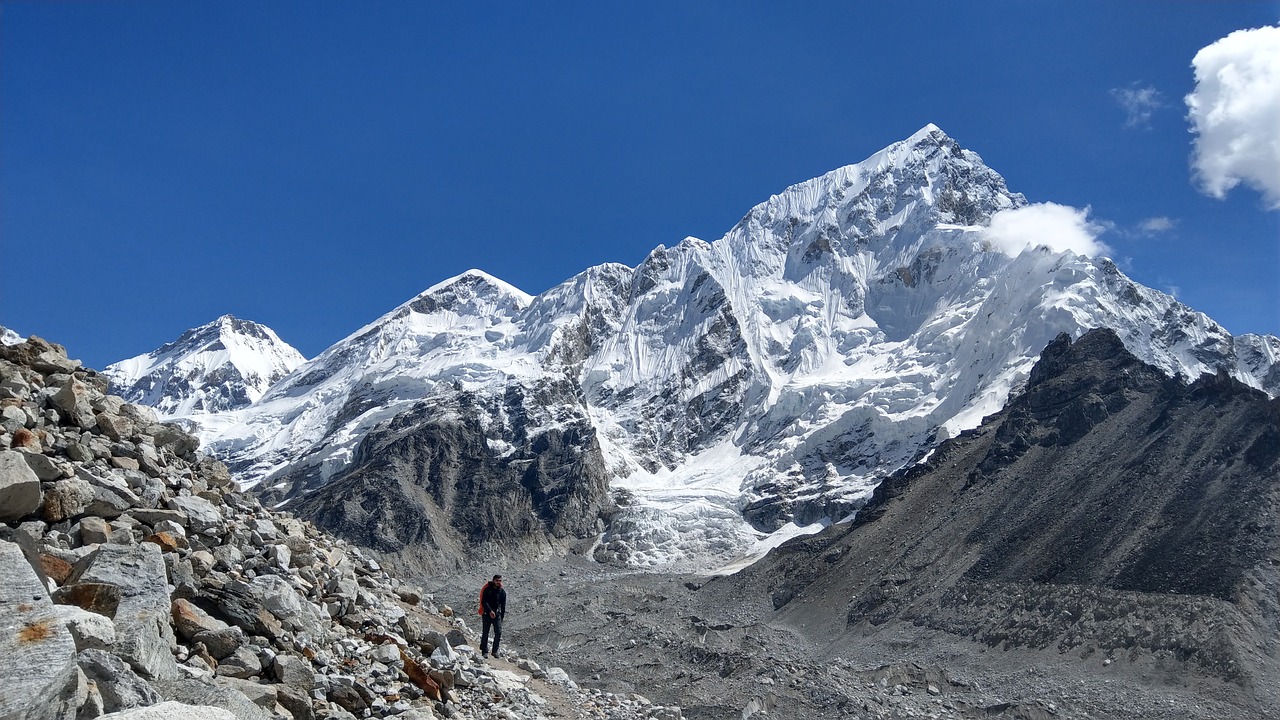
pixel 138 581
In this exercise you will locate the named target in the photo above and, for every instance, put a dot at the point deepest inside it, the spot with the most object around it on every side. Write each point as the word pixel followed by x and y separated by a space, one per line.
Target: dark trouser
pixel 496 624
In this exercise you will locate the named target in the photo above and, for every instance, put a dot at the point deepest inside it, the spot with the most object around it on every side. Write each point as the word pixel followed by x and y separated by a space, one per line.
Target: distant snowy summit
pixel 224 365
pixel 9 337
pixel 726 394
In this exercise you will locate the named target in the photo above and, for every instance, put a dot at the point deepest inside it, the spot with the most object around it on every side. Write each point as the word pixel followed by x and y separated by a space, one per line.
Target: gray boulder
pixel 67 499
pixel 89 629
pixel 155 516
pixel 139 415
pixel 220 643
pixel 202 515
pixel 37 652
pixel 293 671
pixel 111 495
pixel 12 418
pixel 19 487
pixel 215 694
pixel 144 637
pixel 72 401
pixel 173 438
pixel 94 530
pixel 261 694
pixel 12 384
pixel 293 611
pixel 119 686
pixel 114 426
pixel 242 663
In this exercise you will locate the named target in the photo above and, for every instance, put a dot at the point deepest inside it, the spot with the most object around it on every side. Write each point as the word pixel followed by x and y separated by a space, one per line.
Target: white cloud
pixel 1155 225
pixel 1235 114
pixel 1057 227
pixel 1138 104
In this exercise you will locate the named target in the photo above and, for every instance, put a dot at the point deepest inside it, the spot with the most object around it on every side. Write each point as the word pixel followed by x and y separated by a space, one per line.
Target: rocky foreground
pixel 137 581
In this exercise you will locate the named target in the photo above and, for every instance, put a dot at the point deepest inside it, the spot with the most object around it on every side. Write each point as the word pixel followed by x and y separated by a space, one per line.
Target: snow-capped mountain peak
pixel 478 283
pixel 732 391
pixel 9 337
pixel 224 365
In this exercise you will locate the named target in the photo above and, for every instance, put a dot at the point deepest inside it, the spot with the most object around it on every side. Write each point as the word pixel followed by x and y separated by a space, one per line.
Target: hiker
pixel 493 607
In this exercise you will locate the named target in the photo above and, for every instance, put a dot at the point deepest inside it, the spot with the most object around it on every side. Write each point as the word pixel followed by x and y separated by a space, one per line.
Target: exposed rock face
pixel 178 596
pixel 430 478
pixel 1107 509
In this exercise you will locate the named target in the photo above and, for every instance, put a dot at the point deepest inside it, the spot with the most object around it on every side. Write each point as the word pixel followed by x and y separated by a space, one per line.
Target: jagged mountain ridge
pixel 777 374
pixel 224 365
pixel 1108 511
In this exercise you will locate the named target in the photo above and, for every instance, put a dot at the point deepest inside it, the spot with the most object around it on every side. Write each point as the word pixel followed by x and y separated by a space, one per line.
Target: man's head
pixel 497 580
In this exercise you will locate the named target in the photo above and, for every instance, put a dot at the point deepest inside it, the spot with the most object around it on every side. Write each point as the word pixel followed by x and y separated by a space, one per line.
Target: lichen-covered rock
pixel 66 499
pixel 37 652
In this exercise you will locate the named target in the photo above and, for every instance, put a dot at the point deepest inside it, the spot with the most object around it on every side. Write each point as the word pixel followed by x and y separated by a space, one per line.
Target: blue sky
pixel 312 165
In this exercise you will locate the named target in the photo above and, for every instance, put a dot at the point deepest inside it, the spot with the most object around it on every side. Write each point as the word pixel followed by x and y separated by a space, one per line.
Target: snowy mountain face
pixel 9 337
pixel 225 365
pixel 737 392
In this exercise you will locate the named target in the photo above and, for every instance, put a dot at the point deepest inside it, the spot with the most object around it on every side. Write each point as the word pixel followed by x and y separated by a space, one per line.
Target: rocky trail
pixel 621 631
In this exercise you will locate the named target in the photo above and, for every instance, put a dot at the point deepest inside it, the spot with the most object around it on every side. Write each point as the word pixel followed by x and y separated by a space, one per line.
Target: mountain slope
pixel 736 392
pixel 1108 509
pixel 225 365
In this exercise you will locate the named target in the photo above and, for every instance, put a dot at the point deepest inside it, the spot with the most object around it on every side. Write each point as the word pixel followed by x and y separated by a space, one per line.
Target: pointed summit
pixel 480 279
pixel 223 365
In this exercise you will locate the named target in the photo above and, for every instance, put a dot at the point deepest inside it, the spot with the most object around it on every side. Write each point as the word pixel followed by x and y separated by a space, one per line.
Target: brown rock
pixel 41 355
pixel 166 541
pixel 26 440
pixel 200 651
pixel 55 568
pixel 101 598
pixel 124 463
pixel 189 620
pixel 420 677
